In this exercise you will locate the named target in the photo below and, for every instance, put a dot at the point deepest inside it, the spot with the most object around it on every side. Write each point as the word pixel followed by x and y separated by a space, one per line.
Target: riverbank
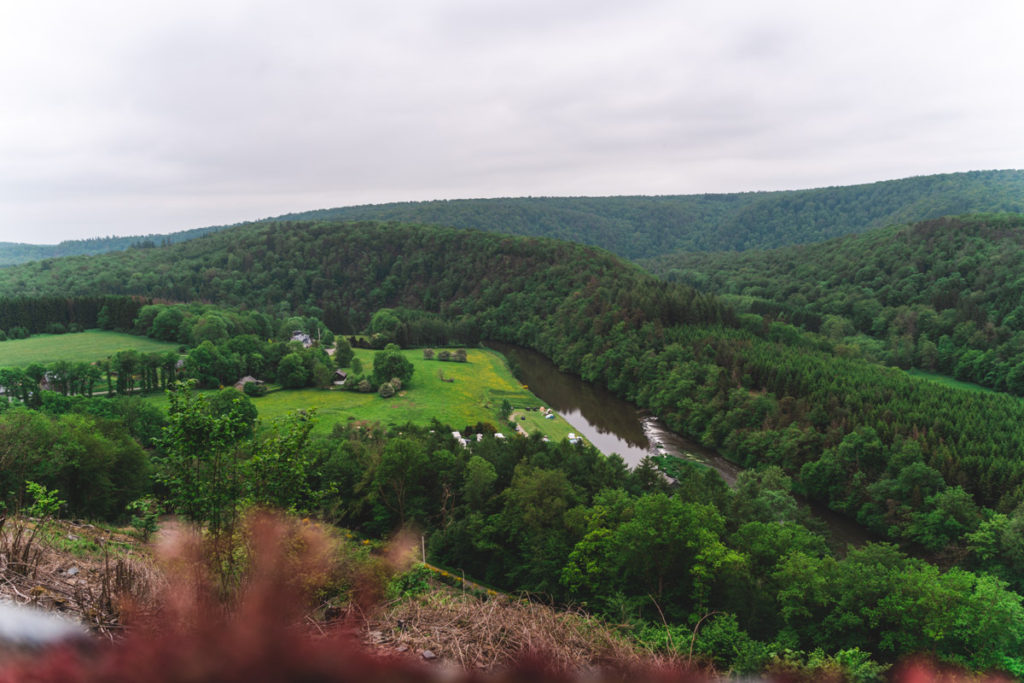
pixel 617 426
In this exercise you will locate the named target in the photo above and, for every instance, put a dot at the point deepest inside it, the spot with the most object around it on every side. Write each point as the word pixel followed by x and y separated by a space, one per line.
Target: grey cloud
pixel 197 113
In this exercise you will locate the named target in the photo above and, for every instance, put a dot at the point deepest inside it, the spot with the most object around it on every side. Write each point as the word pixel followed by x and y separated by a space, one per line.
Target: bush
pixel 56 328
pixel 391 363
pixel 292 372
pixel 343 354
pixel 386 390
pixel 144 514
pixel 255 389
pixel 409 584
pixel 730 647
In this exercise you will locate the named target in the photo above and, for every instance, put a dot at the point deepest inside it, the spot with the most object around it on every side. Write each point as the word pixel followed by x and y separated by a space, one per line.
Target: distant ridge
pixel 641 227
pixel 13 253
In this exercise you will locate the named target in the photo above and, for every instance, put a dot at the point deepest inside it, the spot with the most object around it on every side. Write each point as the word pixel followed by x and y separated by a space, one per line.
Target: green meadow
pixel 474 394
pixel 88 346
pixel 532 421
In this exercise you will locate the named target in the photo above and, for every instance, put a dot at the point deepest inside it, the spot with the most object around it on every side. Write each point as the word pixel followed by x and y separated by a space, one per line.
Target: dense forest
pixel 342 273
pixel 943 295
pixel 934 469
pixel 645 227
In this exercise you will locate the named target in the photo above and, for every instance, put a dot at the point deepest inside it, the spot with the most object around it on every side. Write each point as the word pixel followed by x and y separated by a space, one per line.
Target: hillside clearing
pixel 948 381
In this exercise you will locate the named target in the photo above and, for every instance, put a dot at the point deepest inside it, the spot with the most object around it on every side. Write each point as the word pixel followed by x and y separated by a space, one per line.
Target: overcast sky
pixel 133 117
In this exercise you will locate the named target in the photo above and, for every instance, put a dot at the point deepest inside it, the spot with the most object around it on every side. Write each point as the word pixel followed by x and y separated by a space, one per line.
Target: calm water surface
pixel 608 422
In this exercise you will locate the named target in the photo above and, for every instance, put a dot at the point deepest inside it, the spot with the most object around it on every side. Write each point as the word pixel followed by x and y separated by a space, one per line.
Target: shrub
pixel 255 389
pixel 145 512
pixel 409 584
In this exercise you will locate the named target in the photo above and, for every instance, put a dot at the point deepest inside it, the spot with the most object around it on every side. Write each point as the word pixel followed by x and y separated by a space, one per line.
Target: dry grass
pixel 489 635
pixel 92 587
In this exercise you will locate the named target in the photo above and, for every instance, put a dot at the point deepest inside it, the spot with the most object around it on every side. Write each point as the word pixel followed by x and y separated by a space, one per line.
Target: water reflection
pixel 608 422
pixel 605 420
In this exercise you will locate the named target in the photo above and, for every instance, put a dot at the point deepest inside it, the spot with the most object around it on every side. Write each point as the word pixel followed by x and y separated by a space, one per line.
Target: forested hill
pixel 639 227
pixel 13 253
pixel 944 295
pixel 345 272
pixel 642 227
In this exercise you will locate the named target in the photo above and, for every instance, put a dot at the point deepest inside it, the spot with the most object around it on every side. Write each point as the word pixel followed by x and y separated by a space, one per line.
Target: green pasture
pixel 945 380
pixel 88 346
pixel 474 394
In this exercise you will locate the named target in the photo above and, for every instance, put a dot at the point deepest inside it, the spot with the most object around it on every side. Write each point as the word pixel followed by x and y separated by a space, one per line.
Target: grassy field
pixel 533 421
pixel 87 346
pixel 475 394
pixel 949 381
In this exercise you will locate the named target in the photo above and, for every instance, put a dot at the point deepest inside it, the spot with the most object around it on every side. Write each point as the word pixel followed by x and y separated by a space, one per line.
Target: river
pixel 613 425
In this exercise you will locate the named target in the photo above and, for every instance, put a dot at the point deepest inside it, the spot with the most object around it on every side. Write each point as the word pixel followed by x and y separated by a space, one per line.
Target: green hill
pixel 944 295
pixel 13 253
pixel 643 227
pixel 639 227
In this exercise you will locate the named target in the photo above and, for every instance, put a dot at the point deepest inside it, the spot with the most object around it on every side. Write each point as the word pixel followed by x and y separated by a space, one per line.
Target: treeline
pixel 55 313
pixel 943 296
